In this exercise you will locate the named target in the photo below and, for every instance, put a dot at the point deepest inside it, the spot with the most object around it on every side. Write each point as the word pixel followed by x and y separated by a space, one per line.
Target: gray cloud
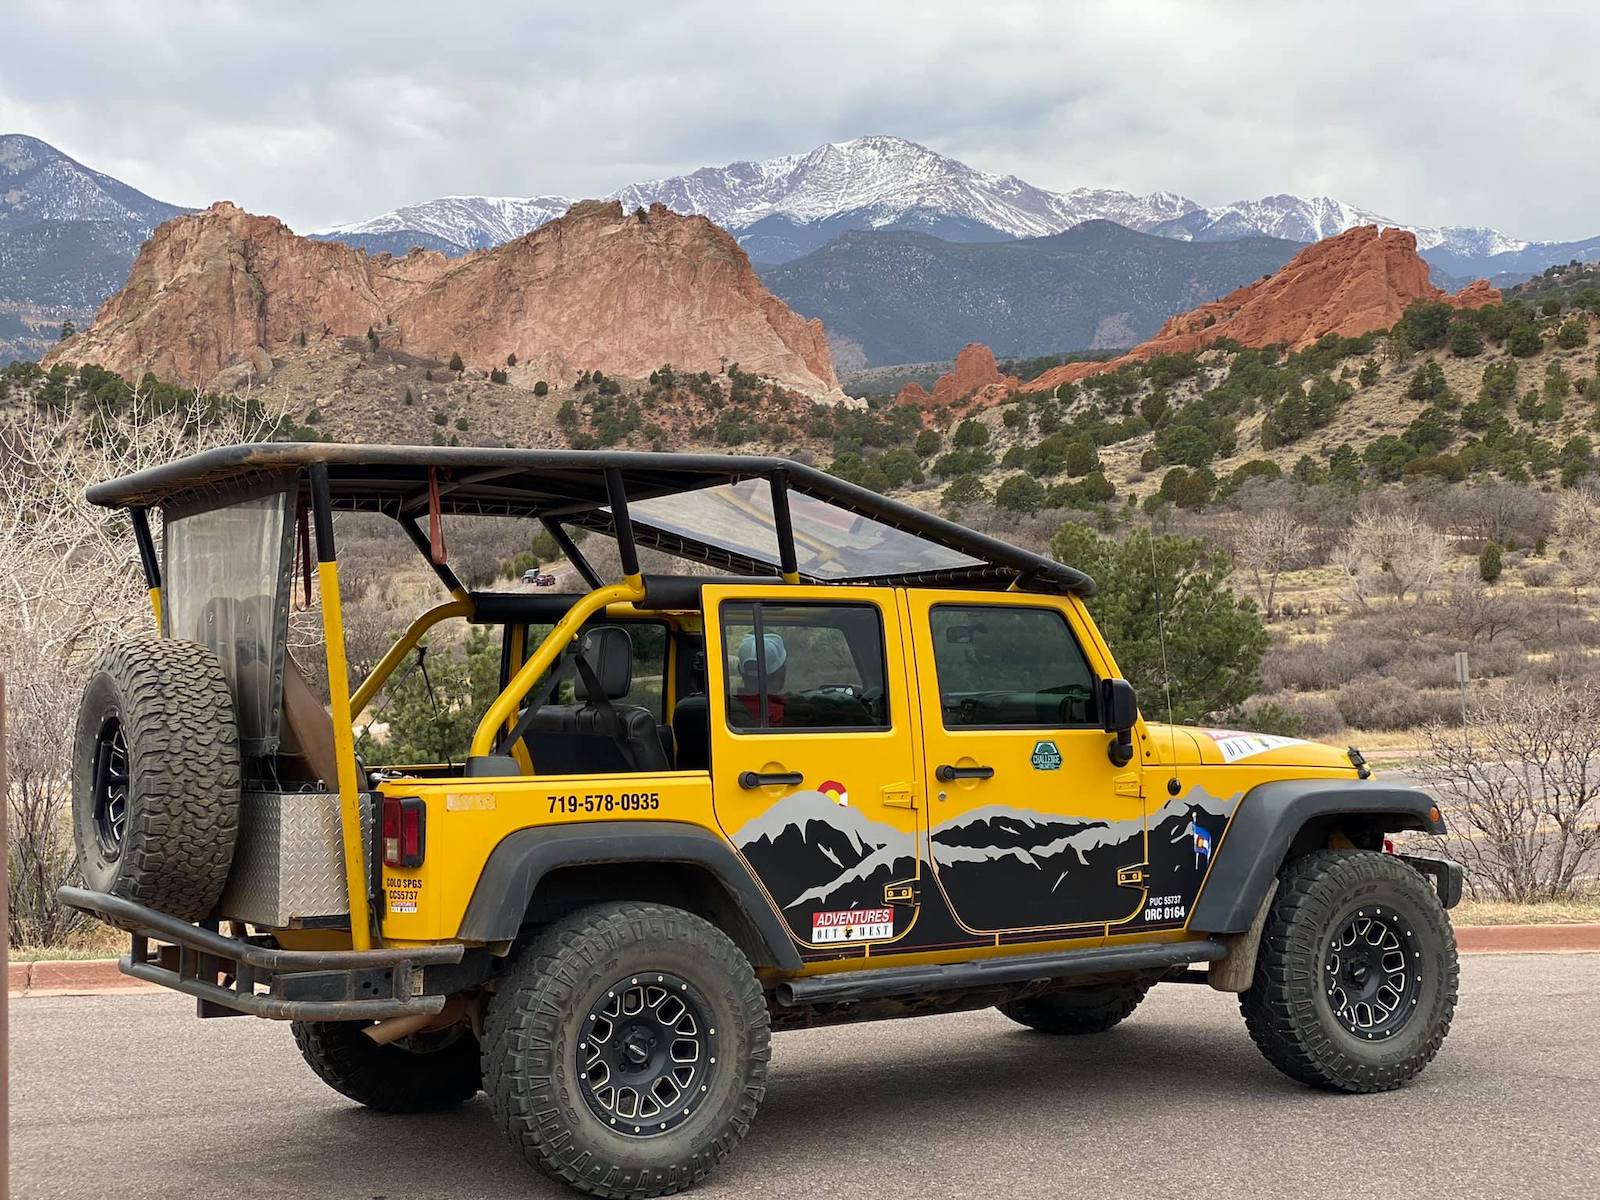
pixel 1431 113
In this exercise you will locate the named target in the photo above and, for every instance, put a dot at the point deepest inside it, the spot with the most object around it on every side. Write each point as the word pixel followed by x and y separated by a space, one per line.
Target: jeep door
pixel 812 756
pixel 1032 828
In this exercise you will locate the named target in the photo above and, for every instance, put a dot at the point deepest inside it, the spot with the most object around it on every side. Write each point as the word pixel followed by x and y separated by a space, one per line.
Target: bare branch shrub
pixel 70 574
pixel 1521 789
pixel 1394 554
pixel 1265 544
pixel 41 712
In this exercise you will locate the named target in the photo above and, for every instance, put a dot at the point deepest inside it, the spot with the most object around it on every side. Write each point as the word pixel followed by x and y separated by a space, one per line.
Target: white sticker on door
pixel 852 925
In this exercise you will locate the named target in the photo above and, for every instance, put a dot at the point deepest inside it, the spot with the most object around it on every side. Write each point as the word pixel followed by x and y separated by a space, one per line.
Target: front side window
pixel 803 666
pixel 1004 667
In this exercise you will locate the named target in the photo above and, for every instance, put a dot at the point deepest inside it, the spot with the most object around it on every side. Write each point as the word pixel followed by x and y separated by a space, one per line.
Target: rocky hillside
pixel 907 297
pixel 1361 281
pixel 225 292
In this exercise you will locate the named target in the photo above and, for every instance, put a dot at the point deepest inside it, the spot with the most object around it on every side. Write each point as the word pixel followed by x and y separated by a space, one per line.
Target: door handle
pixel 750 780
pixel 944 773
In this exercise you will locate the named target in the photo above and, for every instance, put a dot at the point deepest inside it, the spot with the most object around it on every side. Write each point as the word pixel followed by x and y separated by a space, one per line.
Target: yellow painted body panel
pixel 886 779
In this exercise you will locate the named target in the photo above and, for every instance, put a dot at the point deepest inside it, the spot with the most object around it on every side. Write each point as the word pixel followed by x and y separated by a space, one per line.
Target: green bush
pixel 1572 334
pixel 456 364
pixel 1490 564
pixel 1524 341
pixel 1465 340
pixel 963 492
pixel 541 388
pixel 1020 494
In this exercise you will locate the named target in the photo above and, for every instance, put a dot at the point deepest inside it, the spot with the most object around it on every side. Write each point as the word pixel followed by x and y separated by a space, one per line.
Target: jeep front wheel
pixel 625 1052
pixel 1077 1010
pixel 1355 983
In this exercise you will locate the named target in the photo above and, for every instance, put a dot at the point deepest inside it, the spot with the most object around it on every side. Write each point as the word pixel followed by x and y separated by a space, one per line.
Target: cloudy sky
pixel 1459 113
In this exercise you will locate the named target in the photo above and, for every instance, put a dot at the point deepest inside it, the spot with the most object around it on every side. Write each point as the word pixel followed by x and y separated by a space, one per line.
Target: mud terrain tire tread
pixel 1077 1010
pixel 542 1001
pixel 389 1078
pixel 1284 1008
pixel 183 760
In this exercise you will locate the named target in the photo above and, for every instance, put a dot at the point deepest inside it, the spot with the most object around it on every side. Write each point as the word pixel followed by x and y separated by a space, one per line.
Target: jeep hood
pixel 1227 746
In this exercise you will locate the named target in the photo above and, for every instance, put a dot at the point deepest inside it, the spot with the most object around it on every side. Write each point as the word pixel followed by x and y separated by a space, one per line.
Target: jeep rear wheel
pixel 425 1072
pixel 155 777
pixel 625 1053
pixel 1077 1010
pixel 1355 983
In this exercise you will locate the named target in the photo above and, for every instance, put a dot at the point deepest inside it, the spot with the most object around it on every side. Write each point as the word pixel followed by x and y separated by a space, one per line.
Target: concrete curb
pixel 1529 939
pixel 71 977
pixel 91 976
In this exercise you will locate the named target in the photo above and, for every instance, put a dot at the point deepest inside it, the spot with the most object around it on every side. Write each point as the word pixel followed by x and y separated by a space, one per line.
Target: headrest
pixel 609 652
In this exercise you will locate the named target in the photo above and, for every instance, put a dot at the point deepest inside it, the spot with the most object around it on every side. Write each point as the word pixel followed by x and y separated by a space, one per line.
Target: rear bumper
pixel 227 974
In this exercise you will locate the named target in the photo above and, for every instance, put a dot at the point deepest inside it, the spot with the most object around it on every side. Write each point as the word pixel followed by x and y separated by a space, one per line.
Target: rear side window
pixel 803 666
pixel 1004 667
pixel 649 664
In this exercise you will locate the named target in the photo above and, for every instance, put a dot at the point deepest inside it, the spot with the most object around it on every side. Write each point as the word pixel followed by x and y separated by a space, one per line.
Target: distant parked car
pixel 539 578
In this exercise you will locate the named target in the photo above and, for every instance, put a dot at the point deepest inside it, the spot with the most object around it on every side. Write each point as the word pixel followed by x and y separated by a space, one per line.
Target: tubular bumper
pixel 302 985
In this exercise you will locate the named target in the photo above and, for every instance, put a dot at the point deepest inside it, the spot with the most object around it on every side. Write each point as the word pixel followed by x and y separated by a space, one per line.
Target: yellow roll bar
pixel 559 638
pixel 461 606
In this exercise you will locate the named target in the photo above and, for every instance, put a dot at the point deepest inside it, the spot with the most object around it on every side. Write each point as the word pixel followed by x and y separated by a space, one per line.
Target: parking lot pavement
pixel 130 1097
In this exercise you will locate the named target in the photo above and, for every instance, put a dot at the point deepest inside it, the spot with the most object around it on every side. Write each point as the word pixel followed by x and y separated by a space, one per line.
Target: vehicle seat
pixel 691 729
pixel 595 735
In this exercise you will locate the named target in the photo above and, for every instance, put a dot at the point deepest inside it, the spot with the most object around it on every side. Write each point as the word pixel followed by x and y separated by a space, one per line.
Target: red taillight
pixel 405 826
pixel 1388 845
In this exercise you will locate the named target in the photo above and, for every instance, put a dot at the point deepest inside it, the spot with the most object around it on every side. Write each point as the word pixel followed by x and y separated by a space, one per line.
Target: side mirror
pixel 1121 709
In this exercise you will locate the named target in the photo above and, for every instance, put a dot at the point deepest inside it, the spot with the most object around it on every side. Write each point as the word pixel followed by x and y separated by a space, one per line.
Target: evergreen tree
pixel 456 364
pixel 1465 340
pixel 1214 641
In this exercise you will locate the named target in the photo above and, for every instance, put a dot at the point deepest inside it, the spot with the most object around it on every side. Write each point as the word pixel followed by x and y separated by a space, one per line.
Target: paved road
pixel 130 1097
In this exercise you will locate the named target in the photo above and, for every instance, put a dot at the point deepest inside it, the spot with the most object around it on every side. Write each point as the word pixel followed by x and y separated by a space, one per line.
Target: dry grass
pixel 1553 912
pixel 94 940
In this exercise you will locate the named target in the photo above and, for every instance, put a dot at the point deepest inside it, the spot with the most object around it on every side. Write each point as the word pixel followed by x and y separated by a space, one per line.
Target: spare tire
pixel 155 777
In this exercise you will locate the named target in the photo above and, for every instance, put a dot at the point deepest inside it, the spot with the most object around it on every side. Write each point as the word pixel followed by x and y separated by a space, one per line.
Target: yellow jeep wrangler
pixel 860 763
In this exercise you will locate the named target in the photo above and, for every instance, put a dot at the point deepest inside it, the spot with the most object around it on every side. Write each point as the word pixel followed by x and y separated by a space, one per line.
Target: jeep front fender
pixel 1264 827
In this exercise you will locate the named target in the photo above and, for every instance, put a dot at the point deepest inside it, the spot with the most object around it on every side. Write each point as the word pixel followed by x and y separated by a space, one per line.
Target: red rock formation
pixel 1477 294
pixel 914 395
pixel 1354 283
pixel 595 289
pixel 974 374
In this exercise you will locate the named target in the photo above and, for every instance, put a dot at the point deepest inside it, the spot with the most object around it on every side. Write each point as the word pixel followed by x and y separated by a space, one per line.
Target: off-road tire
pixel 425 1073
pixel 1077 1010
pixel 534 1026
pixel 1287 1007
pixel 176 717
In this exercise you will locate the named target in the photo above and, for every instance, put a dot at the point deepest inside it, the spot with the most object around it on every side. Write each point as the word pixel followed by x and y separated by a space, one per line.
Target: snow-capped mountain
pixel 881 180
pixel 67 236
pixel 39 183
pixel 1312 218
pixel 785 207
pixel 470 222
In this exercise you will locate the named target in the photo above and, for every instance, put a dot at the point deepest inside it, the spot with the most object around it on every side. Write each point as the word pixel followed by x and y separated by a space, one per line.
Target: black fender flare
pixel 515 867
pixel 1265 824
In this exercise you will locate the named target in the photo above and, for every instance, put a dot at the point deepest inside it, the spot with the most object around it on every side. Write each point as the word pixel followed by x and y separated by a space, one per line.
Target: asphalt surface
pixel 130 1097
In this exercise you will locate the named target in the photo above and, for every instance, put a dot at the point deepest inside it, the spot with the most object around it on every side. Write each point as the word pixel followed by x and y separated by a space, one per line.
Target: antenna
pixel 1173 786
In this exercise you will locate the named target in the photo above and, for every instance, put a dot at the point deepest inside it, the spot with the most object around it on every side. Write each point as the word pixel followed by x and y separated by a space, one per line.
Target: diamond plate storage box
pixel 288 867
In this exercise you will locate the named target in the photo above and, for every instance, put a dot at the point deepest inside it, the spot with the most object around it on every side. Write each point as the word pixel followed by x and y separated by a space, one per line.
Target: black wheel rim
pixel 1373 974
pixel 110 789
pixel 646 1054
